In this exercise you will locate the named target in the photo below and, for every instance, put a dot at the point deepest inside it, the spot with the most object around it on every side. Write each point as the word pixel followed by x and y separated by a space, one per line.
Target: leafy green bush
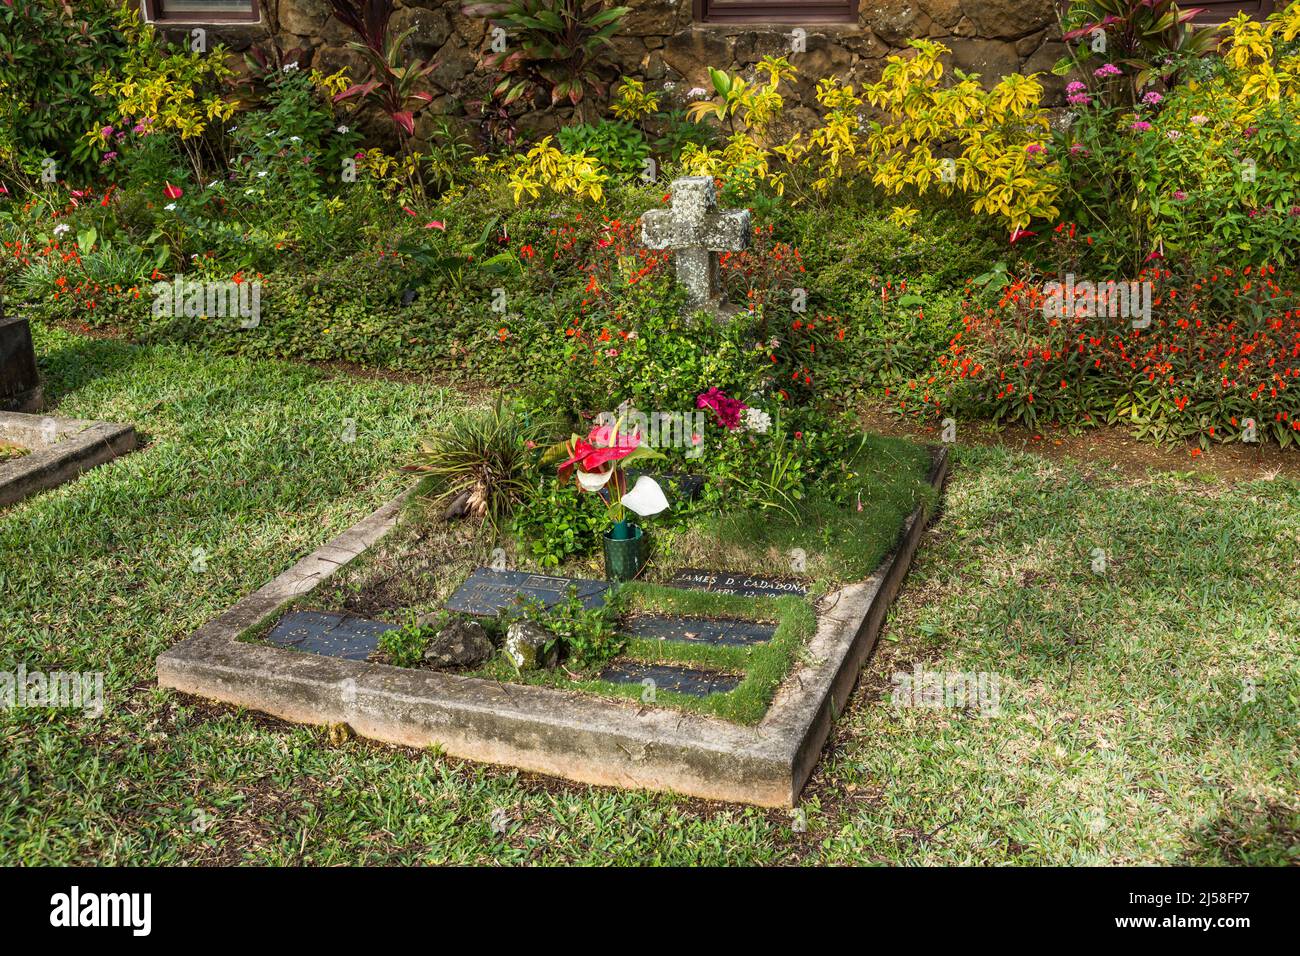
pixel 404 646
pixel 620 147
pixel 555 523
pixel 50 52
pixel 588 637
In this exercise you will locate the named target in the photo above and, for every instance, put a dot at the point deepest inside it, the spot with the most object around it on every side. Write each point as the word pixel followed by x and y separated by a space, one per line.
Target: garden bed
pixel 576 732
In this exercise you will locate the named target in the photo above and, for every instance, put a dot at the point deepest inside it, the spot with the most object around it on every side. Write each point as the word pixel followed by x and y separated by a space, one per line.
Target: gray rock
pixel 524 646
pixel 459 644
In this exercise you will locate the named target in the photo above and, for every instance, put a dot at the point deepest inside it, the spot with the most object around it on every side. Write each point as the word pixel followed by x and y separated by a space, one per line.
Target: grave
pixel 736 582
pixel 487 592
pixel 20 387
pixel 559 731
pixel 700 630
pixel 57 450
pixel 696 231
pixel 333 635
pixel 692 681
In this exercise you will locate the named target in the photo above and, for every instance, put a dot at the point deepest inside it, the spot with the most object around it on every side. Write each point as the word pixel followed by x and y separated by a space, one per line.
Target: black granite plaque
pixel 684 680
pixel 700 630
pixel 486 592
pixel 333 635
pixel 737 582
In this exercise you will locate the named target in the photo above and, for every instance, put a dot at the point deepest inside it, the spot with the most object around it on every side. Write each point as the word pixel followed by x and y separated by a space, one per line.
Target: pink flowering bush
pixel 726 410
pixel 1158 166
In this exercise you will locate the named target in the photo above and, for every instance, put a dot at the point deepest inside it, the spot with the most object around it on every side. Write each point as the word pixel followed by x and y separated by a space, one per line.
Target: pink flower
pixel 1079 99
pixel 1140 126
pixel 1107 69
pixel 1078 149
pixel 726 409
pixel 1151 98
pixel 1033 149
pixel 1074 86
pixel 1179 195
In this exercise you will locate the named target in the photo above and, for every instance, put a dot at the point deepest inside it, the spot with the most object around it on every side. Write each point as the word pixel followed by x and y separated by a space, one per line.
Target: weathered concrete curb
pixel 78 446
pixel 564 734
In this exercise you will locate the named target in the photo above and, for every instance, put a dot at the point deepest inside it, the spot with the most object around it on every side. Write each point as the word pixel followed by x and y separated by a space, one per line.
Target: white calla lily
pixel 646 497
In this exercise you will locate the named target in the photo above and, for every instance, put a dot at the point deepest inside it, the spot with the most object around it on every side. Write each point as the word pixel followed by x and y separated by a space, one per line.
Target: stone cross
pixel 696 232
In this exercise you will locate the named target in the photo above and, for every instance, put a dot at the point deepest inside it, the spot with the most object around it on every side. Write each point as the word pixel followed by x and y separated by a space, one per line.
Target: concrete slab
pixel 565 734
pixel 60 450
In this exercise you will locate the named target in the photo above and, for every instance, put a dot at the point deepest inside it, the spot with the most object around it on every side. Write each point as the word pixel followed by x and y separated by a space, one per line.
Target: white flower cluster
pixel 757 420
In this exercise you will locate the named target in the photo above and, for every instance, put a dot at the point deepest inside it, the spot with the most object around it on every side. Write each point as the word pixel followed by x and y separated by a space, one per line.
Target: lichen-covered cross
pixel 696 232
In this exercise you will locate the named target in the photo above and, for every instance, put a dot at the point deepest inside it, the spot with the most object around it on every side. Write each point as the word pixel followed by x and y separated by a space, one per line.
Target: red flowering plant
pixel 767 273
pixel 598 464
pixel 1217 360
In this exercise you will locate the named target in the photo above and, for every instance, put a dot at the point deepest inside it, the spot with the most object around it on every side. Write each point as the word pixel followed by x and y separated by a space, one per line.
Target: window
pixel 776 11
pixel 1221 11
pixel 201 11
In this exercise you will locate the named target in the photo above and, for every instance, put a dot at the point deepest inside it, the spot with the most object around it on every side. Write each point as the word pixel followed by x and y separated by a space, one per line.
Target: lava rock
pixel 525 646
pixel 459 644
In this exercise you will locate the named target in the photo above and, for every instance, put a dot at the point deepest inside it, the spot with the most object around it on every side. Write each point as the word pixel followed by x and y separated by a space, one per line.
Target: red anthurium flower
pixel 602 446
pixel 173 192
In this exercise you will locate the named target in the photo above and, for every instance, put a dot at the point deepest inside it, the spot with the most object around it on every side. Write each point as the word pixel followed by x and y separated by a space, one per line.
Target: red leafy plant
pixel 393 84
pixel 1219 361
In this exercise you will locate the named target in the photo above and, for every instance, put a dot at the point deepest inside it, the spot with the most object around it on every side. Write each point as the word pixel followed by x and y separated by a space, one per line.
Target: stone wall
pixel 661 42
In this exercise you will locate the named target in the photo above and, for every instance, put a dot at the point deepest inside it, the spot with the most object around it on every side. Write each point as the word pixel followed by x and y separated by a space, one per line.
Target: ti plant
pixel 552 46
pixel 394 85
pixel 1148 40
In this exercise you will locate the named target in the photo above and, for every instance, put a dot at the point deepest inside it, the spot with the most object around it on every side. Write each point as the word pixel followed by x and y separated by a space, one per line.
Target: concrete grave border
pixel 560 733
pixel 79 445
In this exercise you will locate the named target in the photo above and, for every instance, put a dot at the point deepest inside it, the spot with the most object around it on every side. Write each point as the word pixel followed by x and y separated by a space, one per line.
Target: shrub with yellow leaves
pixel 174 88
pixel 546 168
pixel 995 137
pixel 632 103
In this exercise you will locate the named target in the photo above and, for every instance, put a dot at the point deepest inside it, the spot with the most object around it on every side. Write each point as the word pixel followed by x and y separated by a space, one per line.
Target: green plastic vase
pixel 624 551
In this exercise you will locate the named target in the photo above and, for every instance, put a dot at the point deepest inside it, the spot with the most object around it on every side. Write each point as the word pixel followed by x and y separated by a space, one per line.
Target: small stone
pixel 525 643
pixel 460 644
pixel 340 733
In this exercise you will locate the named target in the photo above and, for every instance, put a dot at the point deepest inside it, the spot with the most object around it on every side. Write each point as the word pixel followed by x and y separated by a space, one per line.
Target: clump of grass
pixel 480 461
pixel 404 646
pixel 843 535
pixel 8 451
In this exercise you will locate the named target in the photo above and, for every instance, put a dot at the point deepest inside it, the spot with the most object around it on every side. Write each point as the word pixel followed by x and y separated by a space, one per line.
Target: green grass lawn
pixel 1148 713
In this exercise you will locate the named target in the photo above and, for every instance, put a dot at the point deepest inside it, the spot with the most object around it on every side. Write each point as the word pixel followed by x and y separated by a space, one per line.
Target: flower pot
pixel 624 557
